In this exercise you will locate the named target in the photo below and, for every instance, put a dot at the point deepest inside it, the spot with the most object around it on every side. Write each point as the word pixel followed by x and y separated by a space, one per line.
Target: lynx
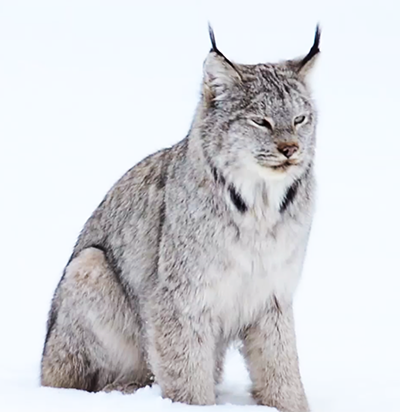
pixel 199 245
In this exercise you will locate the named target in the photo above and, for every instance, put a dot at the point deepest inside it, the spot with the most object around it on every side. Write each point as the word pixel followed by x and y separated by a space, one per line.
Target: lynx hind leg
pixel 93 341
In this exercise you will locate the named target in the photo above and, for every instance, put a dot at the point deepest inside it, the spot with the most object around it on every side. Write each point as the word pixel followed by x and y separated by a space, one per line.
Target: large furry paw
pixel 294 403
pixel 128 388
pixel 193 397
pixel 125 388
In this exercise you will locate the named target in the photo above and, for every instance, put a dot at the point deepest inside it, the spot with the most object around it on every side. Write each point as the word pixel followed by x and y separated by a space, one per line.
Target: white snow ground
pixel 88 88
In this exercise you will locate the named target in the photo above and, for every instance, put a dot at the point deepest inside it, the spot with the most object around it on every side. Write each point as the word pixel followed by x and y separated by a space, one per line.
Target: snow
pixel 88 88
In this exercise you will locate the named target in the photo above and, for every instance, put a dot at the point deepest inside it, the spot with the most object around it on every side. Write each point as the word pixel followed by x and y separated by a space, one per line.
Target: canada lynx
pixel 196 246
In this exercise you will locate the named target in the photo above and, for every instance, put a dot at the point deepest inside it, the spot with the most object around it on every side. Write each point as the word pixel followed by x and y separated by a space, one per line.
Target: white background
pixel 88 88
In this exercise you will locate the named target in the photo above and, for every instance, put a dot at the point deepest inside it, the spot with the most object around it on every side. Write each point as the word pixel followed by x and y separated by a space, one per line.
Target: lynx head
pixel 258 117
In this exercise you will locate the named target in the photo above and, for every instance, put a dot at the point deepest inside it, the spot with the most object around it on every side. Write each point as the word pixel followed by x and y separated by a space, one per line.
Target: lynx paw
pixel 283 404
pixel 127 388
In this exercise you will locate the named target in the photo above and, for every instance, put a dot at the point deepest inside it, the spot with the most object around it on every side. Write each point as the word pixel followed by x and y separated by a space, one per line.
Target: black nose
pixel 288 149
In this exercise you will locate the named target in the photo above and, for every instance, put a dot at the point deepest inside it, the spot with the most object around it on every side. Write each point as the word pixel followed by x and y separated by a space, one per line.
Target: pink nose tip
pixel 288 149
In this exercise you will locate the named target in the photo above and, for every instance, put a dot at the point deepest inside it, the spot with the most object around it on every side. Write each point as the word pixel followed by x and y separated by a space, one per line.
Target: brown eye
pixel 262 122
pixel 299 120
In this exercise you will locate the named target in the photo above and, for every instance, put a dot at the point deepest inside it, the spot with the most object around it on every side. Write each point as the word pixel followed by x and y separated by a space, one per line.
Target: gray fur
pixel 196 246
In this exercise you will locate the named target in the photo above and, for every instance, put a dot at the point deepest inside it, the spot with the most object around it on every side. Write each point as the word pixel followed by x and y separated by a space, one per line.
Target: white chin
pixel 272 174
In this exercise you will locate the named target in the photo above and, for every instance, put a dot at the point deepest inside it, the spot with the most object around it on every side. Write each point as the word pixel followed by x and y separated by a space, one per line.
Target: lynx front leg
pixel 220 352
pixel 271 355
pixel 182 354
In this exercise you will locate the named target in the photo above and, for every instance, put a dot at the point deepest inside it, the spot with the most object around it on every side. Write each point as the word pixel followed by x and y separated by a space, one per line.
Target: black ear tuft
pixel 212 38
pixel 215 49
pixel 314 49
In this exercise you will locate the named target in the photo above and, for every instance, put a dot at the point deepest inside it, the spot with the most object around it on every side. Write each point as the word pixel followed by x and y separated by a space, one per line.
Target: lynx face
pixel 262 114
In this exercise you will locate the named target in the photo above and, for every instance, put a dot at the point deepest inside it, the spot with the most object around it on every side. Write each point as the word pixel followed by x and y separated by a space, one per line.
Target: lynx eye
pixel 299 120
pixel 263 122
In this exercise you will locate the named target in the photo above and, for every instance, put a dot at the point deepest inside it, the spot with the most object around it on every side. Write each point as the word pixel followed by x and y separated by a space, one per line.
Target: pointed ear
pixel 304 65
pixel 220 74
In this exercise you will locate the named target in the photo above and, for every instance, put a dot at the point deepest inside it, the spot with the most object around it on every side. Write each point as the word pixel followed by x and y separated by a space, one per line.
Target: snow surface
pixel 88 88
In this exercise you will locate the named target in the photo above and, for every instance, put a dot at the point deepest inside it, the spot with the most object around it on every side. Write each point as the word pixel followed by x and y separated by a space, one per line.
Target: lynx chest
pixel 263 261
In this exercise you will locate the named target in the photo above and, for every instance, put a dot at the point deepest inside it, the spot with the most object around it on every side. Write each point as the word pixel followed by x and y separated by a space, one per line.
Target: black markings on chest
pixel 234 195
pixel 237 199
pixel 290 195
